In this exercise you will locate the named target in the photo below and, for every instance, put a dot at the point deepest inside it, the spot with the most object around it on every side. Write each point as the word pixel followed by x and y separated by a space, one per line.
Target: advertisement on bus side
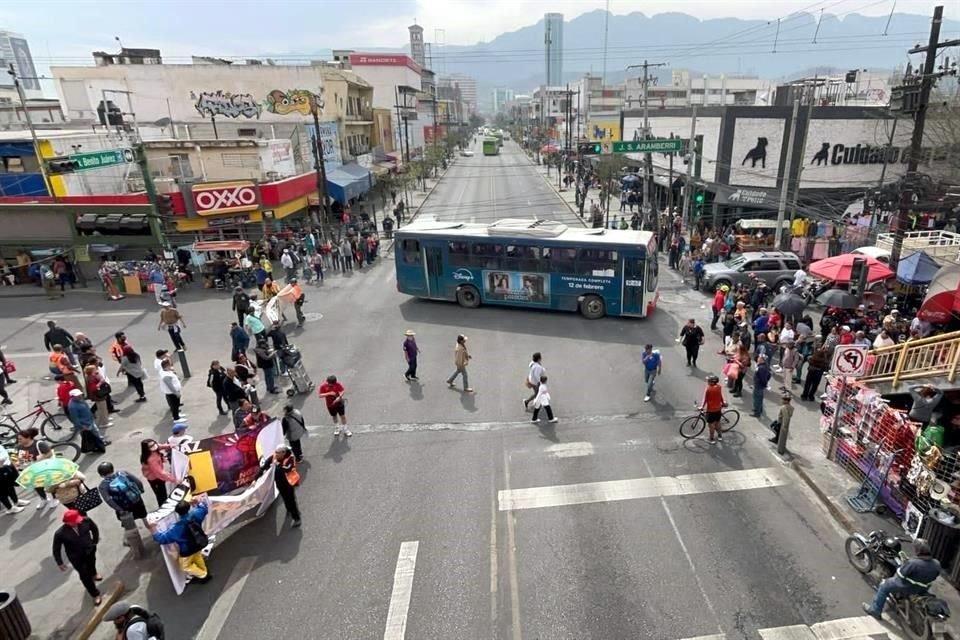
pixel 516 286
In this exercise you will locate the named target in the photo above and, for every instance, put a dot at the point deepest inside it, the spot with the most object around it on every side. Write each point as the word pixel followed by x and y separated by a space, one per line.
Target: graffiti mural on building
pixel 292 101
pixel 225 103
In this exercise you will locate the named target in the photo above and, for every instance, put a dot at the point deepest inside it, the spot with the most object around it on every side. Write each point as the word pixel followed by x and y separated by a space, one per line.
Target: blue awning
pixel 347 181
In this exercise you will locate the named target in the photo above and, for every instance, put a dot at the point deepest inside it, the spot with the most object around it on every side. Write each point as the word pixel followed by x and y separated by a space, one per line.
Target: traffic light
pixel 60 165
pixel 589 148
pixel 165 206
pixel 858 276
pixel 698 198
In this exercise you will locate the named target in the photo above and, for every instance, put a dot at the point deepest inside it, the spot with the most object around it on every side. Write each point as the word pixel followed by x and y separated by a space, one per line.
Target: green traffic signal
pixel 699 198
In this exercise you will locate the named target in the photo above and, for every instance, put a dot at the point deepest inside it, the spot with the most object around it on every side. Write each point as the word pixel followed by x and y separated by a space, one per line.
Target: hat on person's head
pixel 409 332
pixel 894 312
pixel 845 328
pixel 72 517
pixel 179 426
pixel 75 393
pixel 164 304
pixel 117 610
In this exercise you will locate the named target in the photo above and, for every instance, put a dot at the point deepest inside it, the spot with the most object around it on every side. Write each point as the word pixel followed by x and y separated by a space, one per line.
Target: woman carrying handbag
pixel 286 477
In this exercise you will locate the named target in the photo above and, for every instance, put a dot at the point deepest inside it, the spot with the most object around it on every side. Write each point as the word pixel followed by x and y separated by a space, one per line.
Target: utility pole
pixel 648 158
pixel 33 132
pixel 321 167
pixel 785 183
pixel 692 152
pixel 920 118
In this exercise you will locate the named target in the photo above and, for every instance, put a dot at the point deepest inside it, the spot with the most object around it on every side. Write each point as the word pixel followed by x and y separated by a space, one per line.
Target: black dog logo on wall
pixel 759 152
pixel 821 156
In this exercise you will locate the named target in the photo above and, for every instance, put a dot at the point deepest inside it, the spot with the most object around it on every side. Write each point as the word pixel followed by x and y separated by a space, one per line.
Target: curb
pixel 575 213
pixel 41 294
pixel 88 630
pixel 838 514
pixel 389 247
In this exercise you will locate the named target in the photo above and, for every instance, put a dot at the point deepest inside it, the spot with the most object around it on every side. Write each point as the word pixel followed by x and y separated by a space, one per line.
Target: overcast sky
pixel 66 31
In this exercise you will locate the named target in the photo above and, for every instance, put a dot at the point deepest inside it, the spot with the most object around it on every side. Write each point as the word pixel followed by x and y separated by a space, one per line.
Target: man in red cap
pixel 79 536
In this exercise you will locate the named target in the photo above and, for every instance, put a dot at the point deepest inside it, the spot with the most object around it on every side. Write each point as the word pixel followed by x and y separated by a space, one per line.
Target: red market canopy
pixel 840 268
pixel 943 296
pixel 204 246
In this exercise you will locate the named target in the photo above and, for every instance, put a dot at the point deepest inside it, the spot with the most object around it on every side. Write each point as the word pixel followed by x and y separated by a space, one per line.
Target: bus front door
pixel 434 271
pixel 632 286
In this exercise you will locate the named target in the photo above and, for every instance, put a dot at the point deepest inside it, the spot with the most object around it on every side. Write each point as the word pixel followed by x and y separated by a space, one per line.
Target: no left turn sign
pixel 849 360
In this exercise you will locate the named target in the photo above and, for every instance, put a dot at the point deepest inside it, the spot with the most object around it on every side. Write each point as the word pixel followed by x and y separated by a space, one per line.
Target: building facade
pixel 417 50
pixel 553 48
pixel 686 89
pixel 499 98
pixel 467 87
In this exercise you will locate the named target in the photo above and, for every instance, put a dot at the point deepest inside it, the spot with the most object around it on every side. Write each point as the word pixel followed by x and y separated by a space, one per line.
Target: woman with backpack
pixel 122 491
pixel 153 468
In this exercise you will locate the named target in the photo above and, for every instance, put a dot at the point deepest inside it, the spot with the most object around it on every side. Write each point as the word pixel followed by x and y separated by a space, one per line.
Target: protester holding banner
pixel 286 477
pixel 187 533
pixel 152 466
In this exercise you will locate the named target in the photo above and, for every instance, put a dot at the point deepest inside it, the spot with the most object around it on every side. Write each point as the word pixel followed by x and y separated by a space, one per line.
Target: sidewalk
pixel 829 482
pixel 569 197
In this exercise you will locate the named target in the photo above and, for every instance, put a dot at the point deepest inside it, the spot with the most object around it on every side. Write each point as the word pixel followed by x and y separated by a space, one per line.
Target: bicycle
pixel 51 430
pixel 694 425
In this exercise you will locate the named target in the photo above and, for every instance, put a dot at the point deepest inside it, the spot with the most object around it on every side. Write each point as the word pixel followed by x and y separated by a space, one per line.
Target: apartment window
pixel 180 165
pixel 13 165
pixel 246 133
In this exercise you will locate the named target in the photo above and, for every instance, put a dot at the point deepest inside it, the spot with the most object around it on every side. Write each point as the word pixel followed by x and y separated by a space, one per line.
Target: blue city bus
pixel 536 264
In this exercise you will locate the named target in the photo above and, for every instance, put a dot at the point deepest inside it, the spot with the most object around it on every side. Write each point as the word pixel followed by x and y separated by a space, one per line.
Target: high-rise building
pixel 553 48
pixel 468 89
pixel 417 51
pixel 14 49
pixel 499 97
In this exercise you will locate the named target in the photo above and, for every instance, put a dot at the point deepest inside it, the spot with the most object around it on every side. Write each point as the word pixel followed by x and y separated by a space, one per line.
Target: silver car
pixel 776 268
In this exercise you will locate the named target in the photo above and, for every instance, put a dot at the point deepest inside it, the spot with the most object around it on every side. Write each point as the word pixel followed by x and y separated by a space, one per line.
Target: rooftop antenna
pixel 819 22
pixel 606 31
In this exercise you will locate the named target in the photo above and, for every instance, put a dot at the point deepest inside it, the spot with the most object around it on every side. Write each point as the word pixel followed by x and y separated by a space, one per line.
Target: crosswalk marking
pixel 859 628
pixel 63 315
pixel 396 627
pixel 637 488
pixel 570 449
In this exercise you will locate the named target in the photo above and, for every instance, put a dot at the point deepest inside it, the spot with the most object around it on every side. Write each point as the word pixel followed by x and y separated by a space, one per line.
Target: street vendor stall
pixel 224 263
pixel 757 234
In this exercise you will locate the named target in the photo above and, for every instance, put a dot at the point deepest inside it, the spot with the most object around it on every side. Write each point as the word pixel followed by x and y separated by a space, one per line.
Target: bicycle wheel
pixel 8 435
pixel 692 427
pixel 68 450
pixel 54 432
pixel 729 419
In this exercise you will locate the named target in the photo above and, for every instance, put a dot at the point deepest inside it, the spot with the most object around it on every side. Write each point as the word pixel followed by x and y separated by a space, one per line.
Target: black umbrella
pixel 789 304
pixel 839 299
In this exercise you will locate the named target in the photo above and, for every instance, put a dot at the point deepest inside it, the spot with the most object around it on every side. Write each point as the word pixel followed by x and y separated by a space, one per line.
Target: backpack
pixel 124 491
pixel 154 623
pixel 195 539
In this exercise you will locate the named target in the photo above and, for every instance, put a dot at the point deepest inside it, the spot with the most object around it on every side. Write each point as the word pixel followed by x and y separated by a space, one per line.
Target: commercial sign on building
pixel 329 141
pixel 225 197
pixel 381 60
pixel 25 68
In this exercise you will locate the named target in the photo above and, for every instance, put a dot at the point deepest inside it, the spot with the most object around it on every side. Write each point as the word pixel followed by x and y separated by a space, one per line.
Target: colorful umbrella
pixel 840 268
pixel 943 296
pixel 917 268
pixel 47 473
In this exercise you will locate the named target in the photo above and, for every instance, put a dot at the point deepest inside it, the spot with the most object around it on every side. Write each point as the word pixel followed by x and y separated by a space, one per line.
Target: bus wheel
pixel 592 307
pixel 468 297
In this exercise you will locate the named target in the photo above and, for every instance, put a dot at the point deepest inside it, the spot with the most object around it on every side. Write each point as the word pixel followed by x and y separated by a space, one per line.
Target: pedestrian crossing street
pixel 860 628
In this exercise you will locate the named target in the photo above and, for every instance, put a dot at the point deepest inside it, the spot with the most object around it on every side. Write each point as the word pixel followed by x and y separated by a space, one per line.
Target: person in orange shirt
pixel 298 300
pixel 59 364
pixel 712 406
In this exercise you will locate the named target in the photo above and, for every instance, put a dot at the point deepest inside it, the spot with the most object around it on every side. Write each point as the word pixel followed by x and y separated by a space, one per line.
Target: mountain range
pixel 724 45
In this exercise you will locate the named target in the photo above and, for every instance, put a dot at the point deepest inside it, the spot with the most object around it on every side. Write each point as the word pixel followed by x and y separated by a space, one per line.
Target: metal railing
pixel 942 246
pixel 933 357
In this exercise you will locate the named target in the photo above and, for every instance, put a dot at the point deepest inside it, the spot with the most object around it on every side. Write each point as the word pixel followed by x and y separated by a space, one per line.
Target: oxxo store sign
pixel 225 197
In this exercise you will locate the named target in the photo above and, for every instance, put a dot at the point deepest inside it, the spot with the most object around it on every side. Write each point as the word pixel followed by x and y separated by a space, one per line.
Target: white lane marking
pixel 218 614
pixel 636 488
pixel 849 628
pixel 570 449
pixel 402 589
pixel 715 636
pixel 793 632
pixel 686 552
pixel 494 561
pixel 60 315
pixel 512 557
pixel 28 354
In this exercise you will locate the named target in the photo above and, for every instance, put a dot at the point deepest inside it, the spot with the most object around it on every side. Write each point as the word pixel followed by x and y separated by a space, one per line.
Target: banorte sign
pixel 225 197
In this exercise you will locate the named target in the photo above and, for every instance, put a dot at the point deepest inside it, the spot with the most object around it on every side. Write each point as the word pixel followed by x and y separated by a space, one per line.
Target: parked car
pixel 776 268
pixel 878 253
pixel 467 153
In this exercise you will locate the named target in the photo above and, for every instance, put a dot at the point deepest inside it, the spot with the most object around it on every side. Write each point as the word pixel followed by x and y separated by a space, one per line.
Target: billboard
pixel 603 130
pixel 329 139
pixel 755 159
pixel 516 286
pixel 24 62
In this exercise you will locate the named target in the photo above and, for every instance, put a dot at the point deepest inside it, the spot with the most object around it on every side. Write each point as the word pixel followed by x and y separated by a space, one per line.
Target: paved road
pixel 606 526
pixel 488 188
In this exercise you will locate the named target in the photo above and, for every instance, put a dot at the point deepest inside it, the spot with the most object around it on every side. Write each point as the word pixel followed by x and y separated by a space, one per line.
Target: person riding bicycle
pixel 712 406
pixel 913 577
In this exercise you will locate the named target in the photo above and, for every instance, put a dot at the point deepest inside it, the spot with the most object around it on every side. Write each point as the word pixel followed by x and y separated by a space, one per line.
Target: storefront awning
pixel 348 181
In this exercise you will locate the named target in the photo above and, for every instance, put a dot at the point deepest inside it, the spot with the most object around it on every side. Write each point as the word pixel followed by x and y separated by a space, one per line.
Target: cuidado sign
pixel 225 197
